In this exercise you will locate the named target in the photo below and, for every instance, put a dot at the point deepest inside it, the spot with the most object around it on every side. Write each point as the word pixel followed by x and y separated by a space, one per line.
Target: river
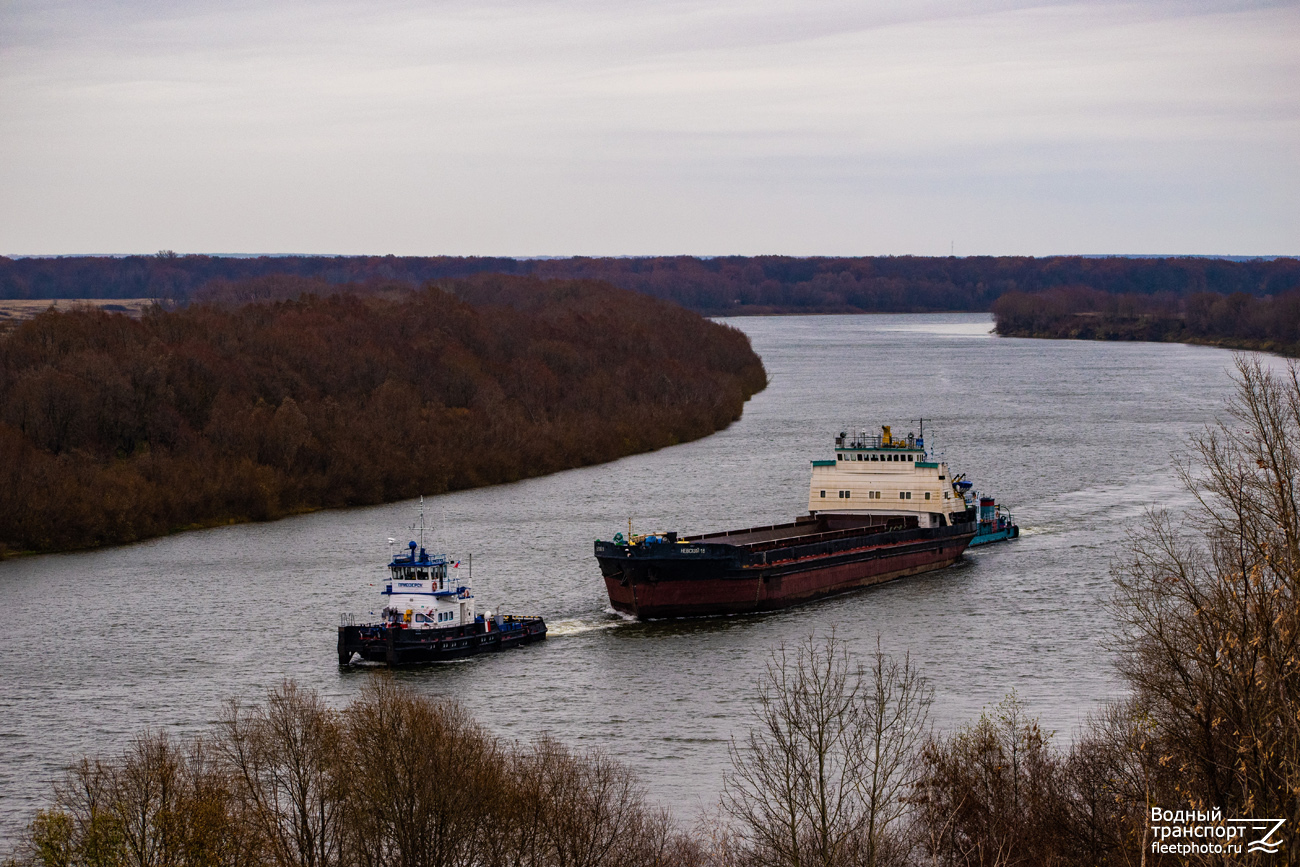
pixel 1077 437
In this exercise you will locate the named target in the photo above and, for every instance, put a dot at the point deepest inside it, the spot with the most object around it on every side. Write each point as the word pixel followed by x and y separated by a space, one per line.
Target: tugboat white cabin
pixel 420 596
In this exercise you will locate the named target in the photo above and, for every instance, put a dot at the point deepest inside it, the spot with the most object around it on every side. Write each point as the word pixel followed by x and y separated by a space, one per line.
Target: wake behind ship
pixel 892 511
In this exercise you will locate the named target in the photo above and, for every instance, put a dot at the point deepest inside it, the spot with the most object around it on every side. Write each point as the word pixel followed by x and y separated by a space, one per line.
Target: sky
pixel 631 127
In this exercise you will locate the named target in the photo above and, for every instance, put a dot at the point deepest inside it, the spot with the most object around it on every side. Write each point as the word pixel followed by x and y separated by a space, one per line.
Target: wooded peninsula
pixel 115 429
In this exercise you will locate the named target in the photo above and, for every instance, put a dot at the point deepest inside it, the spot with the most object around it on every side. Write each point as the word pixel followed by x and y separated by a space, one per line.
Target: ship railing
pixel 347 620
pixel 857 441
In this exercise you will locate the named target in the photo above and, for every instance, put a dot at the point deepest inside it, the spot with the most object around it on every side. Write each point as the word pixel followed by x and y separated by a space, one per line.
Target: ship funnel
pixel 885 438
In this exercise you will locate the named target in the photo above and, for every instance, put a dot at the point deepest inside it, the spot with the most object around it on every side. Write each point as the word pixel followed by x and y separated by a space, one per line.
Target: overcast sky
pixel 800 127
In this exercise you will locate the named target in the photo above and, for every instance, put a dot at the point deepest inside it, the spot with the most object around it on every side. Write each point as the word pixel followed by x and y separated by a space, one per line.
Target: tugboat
pixel 881 510
pixel 429 616
pixel 996 524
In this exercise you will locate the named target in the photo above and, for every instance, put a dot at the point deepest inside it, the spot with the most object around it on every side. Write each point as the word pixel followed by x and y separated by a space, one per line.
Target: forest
pixel 724 285
pixel 1238 320
pixel 114 429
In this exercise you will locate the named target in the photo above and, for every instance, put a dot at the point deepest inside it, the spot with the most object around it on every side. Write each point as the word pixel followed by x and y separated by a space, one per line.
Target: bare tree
pixel 289 772
pixel 894 708
pixel 996 790
pixel 156 805
pixel 82 827
pixel 395 780
pixel 820 777
pixel 1210 610
pixel 576 810
pixel 426 779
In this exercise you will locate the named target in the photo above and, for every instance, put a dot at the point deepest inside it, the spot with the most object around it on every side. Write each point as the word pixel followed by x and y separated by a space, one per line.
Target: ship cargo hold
pixel 770 567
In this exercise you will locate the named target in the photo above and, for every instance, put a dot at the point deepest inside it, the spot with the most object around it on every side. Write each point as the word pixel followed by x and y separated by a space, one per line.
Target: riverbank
pixel 1238 321
pixel 1085 326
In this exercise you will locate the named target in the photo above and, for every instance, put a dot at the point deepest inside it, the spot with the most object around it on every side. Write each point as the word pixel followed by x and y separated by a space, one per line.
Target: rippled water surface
pixel 1076 437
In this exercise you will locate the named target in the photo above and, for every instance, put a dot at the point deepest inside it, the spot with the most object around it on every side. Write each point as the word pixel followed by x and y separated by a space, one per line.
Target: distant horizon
pixel 1231 257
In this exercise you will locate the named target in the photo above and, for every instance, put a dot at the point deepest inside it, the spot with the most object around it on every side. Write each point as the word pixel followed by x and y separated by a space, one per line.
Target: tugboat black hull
pixel 396 645
pixel 766 568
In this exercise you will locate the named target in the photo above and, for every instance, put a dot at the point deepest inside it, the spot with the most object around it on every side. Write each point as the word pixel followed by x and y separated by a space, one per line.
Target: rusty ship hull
pixel 772 567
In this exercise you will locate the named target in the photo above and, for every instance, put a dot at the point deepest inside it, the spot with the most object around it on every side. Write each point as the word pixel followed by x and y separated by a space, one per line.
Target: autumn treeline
pixel 114 429
pixel 1238 320
pixel 718 285
pixel 392 779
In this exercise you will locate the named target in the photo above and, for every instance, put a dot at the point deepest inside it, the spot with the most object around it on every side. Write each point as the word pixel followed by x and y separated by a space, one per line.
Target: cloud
pixel 638 127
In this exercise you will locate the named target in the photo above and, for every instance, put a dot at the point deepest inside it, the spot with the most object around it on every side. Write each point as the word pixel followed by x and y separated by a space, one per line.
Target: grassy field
pixel 13 311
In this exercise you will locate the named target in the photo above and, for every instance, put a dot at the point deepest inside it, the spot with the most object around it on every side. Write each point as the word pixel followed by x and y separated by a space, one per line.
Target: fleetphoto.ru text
pixel 1206 832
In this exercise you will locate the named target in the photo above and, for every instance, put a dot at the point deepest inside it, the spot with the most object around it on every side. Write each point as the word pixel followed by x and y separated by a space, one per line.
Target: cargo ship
pixel 881 509
pixel 429 615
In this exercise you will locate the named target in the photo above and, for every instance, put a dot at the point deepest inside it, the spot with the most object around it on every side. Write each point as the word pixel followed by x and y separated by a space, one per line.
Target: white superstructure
pixel 422 592
pixel 886 476
pixel 422 596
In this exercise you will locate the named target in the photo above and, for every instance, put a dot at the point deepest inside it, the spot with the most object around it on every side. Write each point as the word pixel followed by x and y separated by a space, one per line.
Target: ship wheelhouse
pixel 894 478
pixel 422 594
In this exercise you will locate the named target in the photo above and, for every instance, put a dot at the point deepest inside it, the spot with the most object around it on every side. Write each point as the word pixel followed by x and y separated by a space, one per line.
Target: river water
pixel 1076 437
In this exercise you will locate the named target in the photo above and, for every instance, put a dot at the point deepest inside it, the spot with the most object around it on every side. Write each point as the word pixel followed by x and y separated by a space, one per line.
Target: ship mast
pixel 421 528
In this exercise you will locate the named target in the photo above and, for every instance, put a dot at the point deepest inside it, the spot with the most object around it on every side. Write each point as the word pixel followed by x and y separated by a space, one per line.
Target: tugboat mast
pixel 421 528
